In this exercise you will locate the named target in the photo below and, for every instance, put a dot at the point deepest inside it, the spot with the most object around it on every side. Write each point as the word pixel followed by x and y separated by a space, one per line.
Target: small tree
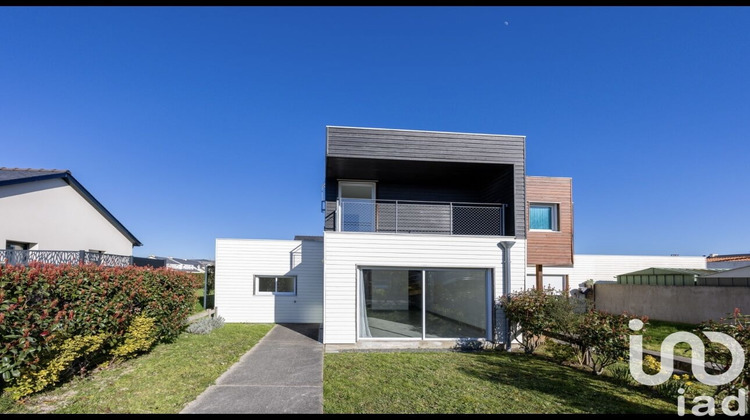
pixel 604 338
pixel 528 316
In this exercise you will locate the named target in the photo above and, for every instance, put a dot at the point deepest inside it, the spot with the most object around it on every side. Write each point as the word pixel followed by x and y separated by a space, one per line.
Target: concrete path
pixel 283 373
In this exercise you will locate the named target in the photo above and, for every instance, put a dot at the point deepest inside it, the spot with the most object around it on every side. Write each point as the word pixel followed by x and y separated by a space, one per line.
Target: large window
pixel 543 216
pixel 276 285
pixel 424 303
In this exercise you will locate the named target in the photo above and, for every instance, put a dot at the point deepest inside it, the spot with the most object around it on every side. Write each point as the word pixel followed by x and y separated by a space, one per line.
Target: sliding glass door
pixel 424 303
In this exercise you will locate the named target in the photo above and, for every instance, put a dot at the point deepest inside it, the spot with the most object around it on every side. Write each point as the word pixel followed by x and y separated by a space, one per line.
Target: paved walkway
pixel 283 373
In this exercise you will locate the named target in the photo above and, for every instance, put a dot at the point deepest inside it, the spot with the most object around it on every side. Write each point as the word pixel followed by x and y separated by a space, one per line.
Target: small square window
pixel 543 217
pixel 276 285
pixel 285 284
pixel 267 284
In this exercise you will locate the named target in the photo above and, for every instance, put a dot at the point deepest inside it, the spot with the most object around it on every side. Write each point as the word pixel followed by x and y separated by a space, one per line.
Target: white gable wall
pixel 238 261
pixel 56 217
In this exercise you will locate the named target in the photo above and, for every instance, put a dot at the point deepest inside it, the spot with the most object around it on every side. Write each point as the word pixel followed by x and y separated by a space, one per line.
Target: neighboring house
pixel 423 231
pixel 728 261
pixel 184 264
pixel 150 261
pixel 43 210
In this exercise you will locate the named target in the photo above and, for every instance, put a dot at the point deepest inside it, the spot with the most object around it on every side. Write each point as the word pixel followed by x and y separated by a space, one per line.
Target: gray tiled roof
pixel 7 174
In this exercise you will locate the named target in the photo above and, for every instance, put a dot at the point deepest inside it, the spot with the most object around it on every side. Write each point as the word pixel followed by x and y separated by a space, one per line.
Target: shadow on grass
pixel 567 385
pixel 209 301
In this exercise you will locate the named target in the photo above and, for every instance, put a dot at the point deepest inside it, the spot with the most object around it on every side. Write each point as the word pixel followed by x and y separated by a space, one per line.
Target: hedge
pixel 46 308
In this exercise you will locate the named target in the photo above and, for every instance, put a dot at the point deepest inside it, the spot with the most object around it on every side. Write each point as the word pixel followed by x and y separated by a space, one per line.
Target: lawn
pixel 656 331
pixel 171 375
pixel 161 382
pixel 485 382
pixel 198 303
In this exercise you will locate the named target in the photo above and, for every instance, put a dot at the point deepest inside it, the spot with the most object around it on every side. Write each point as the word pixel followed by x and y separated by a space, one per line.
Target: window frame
pixel 341 200
pixel 256 286
pixel 22 246
pixel 555 216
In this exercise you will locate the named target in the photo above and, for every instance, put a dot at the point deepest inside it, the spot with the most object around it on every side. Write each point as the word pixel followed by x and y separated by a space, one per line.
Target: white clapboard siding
pixel 608 267
pixel 345 251
pixel 239 260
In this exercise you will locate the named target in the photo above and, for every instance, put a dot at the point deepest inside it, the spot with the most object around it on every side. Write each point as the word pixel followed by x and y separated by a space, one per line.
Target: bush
pixel 736 326
pixel 560 352
pixel 621 374
pixel 604 337
pixel 202 279
pixel 597 338
pixel 43 307
pixel 205 325
pixel 672 386
pixel 528 315
pixel 66 354
pixel 139 338
pixel 651 366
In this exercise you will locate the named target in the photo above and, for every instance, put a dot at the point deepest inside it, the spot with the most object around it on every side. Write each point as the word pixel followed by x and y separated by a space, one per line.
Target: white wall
pixel 607 267
pixel 56 217
pixel 344 251
pixel 238 261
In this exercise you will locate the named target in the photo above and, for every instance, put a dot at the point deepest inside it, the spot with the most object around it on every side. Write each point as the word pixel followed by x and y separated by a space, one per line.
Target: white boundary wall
pixel 608 267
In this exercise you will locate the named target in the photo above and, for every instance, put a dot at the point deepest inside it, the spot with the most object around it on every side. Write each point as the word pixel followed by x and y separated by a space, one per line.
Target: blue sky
pixel 196 123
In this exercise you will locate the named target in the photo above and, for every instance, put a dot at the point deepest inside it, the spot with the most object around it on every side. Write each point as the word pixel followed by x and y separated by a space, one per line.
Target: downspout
pixel 506 245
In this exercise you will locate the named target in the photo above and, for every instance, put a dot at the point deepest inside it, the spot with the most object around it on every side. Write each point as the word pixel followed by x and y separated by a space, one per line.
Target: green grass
pixel 656 331
pixel 160 382
pixel 198 304
pixel 486 382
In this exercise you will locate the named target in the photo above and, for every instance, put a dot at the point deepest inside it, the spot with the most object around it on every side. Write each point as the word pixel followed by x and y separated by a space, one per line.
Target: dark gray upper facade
pixel 427 180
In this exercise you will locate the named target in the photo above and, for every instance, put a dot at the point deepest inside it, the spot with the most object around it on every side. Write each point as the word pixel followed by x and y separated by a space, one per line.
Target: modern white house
pixel 49 210
pixel 423 231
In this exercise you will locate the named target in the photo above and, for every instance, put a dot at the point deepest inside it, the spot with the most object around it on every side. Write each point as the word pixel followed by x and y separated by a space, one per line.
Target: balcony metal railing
pixel 24 257
pixel 398 216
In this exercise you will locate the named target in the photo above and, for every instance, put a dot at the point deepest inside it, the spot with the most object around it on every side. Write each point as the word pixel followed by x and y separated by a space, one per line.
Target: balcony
pixel 420 217
pixel 24 257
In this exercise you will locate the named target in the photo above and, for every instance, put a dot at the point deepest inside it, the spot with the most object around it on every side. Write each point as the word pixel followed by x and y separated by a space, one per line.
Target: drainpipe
pixel 506 245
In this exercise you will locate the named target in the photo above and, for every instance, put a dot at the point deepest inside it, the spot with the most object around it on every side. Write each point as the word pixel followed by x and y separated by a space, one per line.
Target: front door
pixel 356 206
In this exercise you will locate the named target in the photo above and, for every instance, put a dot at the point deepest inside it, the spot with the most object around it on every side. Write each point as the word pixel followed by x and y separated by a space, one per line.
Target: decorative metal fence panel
pixel 25 257
pixel 111 260
pixel 478 220
pixel 422 217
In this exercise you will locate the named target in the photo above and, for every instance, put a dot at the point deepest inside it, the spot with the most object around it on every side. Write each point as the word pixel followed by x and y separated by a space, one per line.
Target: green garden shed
pixel 664 276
